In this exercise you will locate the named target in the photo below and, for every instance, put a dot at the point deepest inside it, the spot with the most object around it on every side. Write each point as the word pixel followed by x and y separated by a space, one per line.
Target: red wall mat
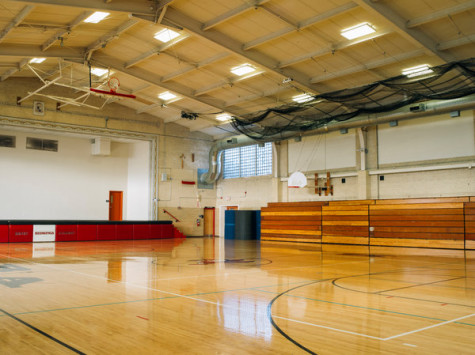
pixel 4 233
pixel 87 231
pixel 125 231
pixel 106 232
pixel 156 231
pixel 142 231
pixel 167 231
pixel 66 233
pixel 20 233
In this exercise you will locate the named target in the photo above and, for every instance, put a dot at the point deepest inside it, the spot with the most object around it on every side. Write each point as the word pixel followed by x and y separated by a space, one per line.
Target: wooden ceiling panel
pixel 317 56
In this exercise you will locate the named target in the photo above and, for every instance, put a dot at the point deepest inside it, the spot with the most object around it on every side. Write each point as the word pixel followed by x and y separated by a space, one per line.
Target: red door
pixel 115 205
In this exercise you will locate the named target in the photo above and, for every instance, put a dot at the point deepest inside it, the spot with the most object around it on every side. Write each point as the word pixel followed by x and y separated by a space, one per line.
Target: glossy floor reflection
pixel 211 296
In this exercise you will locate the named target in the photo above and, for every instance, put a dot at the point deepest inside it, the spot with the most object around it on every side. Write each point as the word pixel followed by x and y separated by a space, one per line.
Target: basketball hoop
pixel 113 83
pixel 297 180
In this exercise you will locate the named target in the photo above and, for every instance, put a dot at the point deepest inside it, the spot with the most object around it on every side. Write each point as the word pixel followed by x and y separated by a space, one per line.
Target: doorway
pixel 209 221
pixel 222 209
pixel 115 205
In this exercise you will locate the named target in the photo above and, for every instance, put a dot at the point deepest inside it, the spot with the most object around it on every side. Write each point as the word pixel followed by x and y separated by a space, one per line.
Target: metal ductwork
pixel 413 111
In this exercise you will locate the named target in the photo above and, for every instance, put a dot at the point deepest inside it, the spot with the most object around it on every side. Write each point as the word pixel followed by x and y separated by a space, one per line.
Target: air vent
pixel 42 144
pixel 8 141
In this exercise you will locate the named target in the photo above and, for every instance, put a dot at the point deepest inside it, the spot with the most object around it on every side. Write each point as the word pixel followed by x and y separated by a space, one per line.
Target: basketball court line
pixel 362 307
pixel 429 327
pixel 244 308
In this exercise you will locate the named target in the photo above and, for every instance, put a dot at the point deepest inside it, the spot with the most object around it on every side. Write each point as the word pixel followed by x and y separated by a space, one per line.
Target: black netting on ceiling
pixel 447 81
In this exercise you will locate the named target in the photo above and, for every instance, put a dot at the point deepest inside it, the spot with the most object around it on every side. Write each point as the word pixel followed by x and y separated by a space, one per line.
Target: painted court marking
pixel 429 327
pixel 244 309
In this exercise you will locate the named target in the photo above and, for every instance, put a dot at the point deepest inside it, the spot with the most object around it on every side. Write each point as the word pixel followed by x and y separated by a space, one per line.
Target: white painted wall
pixel 323 152
pixel 138 181
pixel 68 184
pixel 435 137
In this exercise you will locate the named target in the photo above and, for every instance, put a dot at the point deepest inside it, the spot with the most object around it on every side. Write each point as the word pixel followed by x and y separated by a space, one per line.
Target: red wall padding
pixel 142 231
pixel 106 232
pixel 66 232
pixel 20 233
pixel 167 231
pixel 3 233
pixel 125 231
pixel 87 231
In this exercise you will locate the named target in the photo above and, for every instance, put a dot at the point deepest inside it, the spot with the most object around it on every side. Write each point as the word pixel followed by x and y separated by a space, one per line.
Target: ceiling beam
pixel 300 26
pixel 104 40
pixel 142 7
pixel 63 32
pixel 150 78
pixel 259 59
pixel 232 13
pixel 197 66
pixel 224 83
pixel 155 51
pixel 433 16
pixel 279 16
pixel 414 35
pixel 12 71
pixel 266 94
pixel 30 51
pixel 456 42
pixel 333 47
pixel 16 21
pixel 368 66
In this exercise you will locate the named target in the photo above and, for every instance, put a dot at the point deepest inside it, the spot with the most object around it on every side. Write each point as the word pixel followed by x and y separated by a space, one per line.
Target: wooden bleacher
pixel 297 221
pixel 470 224
pixel 446 222
pixel 432 223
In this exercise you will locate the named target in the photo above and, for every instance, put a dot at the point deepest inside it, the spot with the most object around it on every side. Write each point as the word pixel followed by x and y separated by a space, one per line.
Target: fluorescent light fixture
pixel 37 60
pixel 166 35
pixel 223 117
pixel 96 17
pixel 243 69
pixel 99 71
pixel 416 71
pixel 360 30
pixel 302 98
pixel 166 96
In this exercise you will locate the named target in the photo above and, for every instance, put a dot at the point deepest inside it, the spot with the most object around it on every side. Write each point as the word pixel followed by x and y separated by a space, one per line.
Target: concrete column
pixel 364 185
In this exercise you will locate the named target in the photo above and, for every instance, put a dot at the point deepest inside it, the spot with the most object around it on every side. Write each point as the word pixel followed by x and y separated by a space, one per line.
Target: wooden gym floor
pixel 210 296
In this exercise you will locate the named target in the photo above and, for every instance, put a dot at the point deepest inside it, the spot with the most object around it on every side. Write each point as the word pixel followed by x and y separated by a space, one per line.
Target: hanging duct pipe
pixel 424 109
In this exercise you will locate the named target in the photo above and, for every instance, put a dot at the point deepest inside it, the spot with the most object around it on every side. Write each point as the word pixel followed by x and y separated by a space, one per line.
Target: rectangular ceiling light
pixel 223 117
pixel 99 71
pixel 360 30
pixel 302 98
pixel 166 96
pixel 416 71
pixel 96 17
pixel 166 35
pixel 243 69
pixel 37 60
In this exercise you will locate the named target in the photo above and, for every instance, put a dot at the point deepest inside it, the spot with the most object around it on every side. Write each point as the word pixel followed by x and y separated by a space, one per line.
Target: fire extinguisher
pixel 198 222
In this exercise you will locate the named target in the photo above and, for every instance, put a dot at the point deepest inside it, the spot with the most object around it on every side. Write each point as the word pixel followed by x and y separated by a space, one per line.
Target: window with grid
pixel 253 160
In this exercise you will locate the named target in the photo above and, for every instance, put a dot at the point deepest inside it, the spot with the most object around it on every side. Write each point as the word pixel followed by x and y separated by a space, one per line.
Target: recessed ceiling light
pixel 418 70
pixel 302 98
pixel 360 30
pixel 166 35
pixel 37 60
pixel 223 117
pixel 243 69
pixel 99 71
pixel 166 96
pixel 96 17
